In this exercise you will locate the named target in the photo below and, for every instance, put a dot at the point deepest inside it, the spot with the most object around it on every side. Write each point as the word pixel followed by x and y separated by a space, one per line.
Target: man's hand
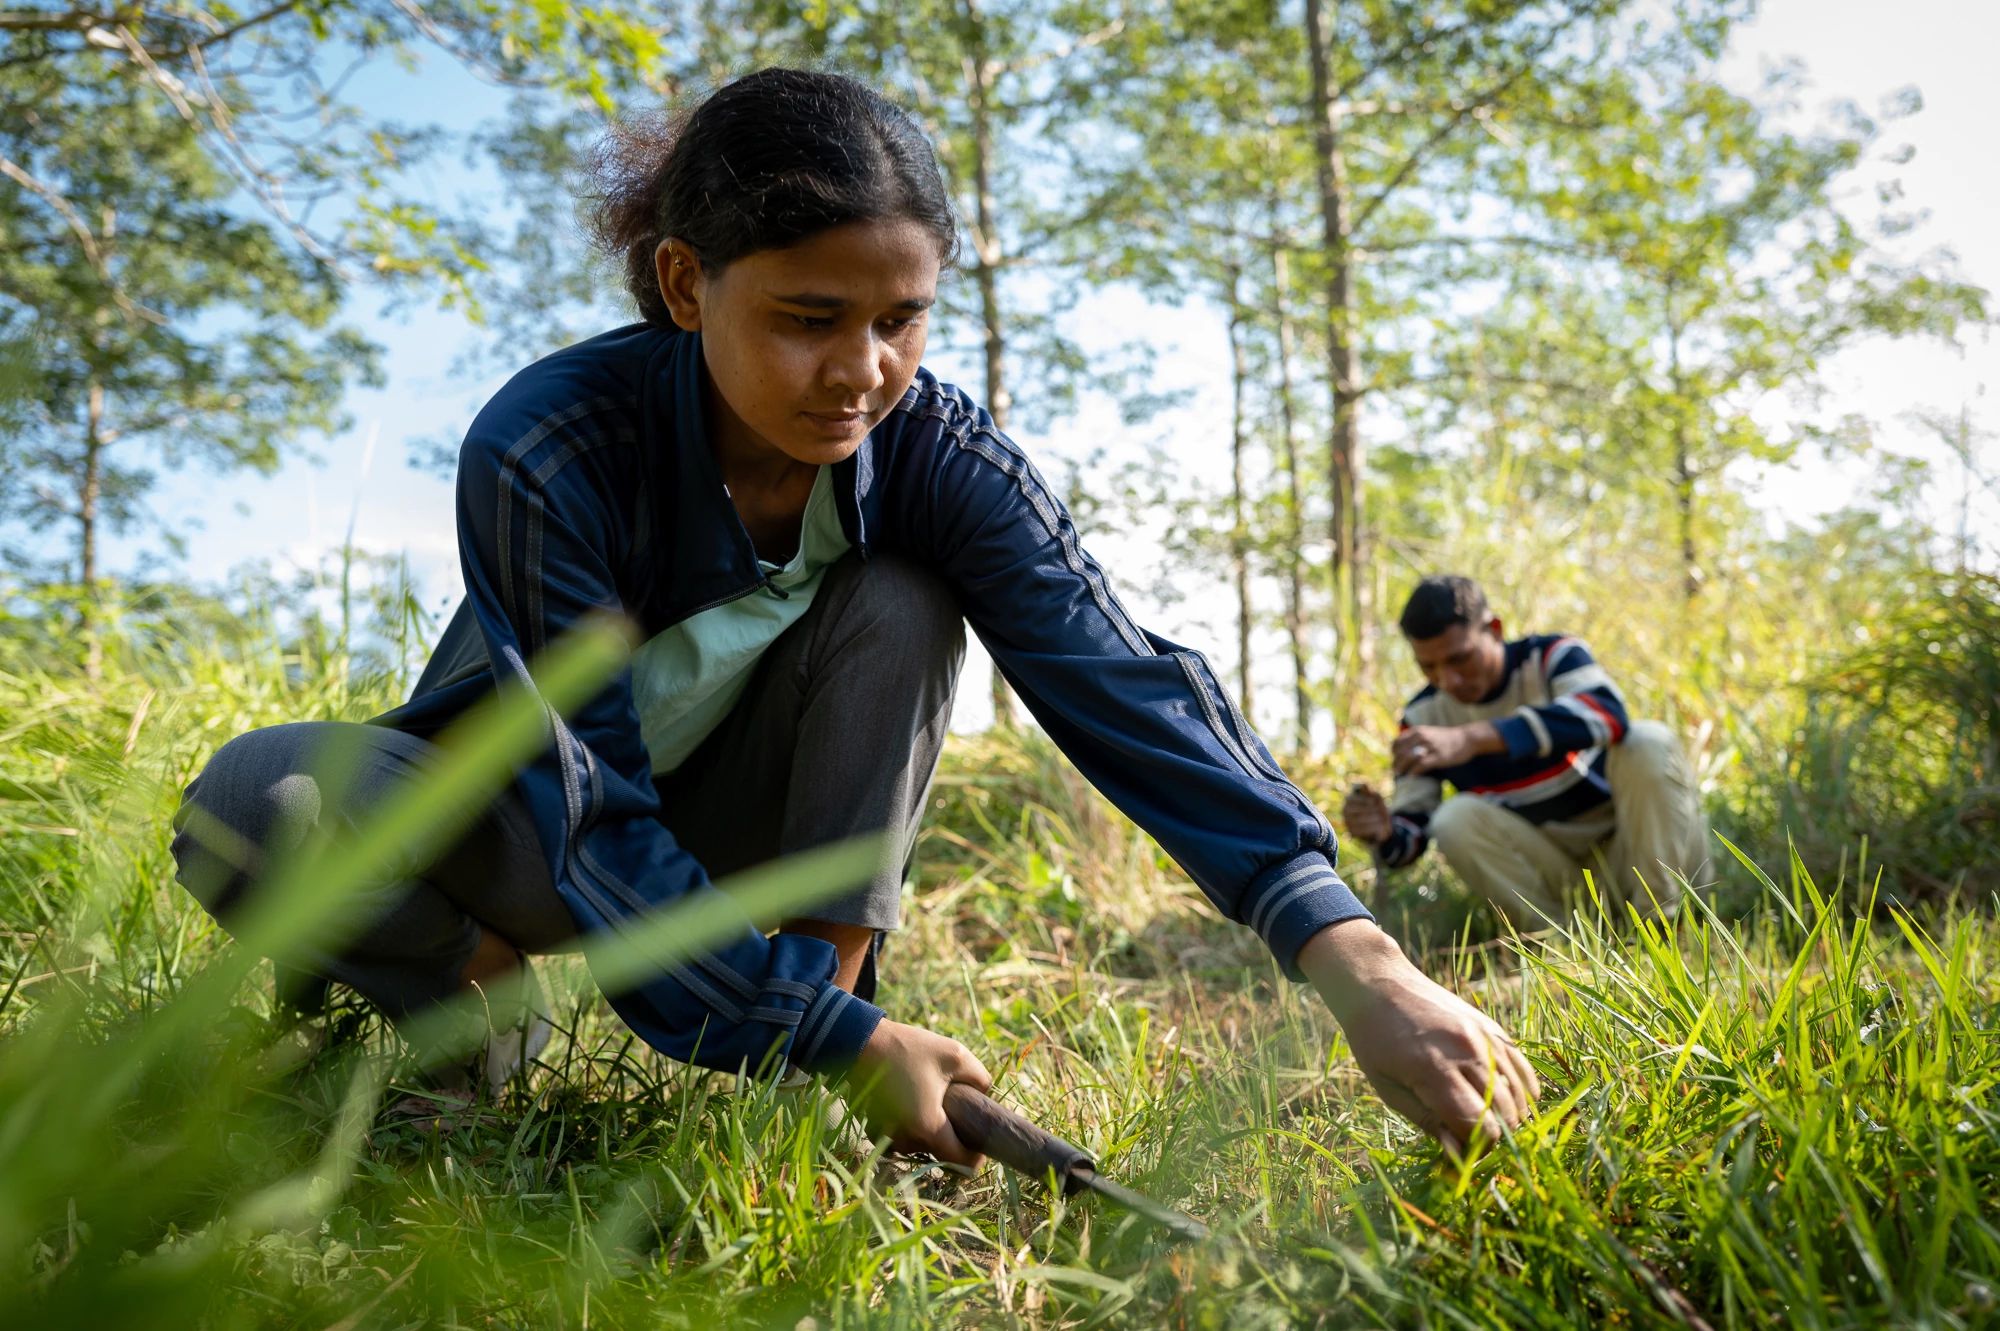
pixel 902 1072
pixel 1432 748
pixel 1366 815
pixel 1433 1057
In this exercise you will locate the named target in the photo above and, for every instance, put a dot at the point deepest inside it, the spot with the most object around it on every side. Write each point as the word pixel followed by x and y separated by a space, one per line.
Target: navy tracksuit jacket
pixel 588 483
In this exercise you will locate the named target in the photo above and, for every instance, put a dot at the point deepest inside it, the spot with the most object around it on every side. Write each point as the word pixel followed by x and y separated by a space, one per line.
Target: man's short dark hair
pixel 1441 601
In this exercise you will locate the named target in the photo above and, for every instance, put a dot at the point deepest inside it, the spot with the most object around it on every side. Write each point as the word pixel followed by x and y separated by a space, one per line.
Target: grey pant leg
pixel 837 735
pixel 263 793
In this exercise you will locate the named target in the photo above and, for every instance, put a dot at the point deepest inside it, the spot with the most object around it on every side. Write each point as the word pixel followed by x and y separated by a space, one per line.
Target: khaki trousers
pixel 1653 830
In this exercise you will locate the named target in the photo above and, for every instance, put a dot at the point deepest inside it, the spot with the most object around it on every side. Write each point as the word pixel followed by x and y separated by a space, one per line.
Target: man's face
pixel 1465 661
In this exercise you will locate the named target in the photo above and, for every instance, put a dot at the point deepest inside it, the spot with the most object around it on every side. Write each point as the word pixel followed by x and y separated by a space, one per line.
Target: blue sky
pixel 1857 49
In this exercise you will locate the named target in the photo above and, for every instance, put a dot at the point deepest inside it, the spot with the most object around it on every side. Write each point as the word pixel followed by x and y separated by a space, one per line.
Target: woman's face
pixel 808 347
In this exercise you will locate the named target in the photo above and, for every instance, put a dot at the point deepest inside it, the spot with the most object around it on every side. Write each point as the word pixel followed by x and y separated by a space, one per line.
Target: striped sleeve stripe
pixel 1544 785
pixel 1589 675
pixel 1523 783
pixel 817 1023
pixel 1559 648
pixel 538 508
pixel 1306 879
pixel 1579 706
pixel 1015 465
pixel 510 472
pixel 790 989
pixel 1614 726
pixel 706 973
pixel 1191 664
pixel 1543 744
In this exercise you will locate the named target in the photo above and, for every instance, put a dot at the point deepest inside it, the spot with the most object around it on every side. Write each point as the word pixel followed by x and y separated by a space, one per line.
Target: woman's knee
pixel 908 610
pixel 254 798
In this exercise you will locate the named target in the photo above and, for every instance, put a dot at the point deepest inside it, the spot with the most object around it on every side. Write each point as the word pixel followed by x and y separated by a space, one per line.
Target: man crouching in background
pixel 1551 776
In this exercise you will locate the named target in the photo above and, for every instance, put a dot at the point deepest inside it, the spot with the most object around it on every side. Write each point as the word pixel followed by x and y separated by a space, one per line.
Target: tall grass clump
pixel 1899 741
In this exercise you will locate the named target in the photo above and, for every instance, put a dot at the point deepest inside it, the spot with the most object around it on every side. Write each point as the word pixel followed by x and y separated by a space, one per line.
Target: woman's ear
pixel 681 282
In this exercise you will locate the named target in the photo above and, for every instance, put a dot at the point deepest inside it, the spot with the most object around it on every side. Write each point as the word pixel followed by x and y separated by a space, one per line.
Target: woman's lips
pixel 837 422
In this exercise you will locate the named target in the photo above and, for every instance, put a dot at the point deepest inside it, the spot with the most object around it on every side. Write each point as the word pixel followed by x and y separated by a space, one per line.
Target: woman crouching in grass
pixel 801 520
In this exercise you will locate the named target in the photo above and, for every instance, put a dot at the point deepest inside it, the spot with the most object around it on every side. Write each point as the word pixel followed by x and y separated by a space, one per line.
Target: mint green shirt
pixel 687 678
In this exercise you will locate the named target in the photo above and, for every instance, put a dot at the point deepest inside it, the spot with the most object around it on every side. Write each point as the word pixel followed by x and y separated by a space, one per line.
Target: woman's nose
pixel 855 367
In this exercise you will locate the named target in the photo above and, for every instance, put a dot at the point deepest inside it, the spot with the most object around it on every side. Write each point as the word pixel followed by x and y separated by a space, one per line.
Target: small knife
pixel 995 1130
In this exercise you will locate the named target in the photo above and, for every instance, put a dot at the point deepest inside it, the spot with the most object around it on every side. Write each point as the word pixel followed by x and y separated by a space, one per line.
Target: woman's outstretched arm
pixel 1150 724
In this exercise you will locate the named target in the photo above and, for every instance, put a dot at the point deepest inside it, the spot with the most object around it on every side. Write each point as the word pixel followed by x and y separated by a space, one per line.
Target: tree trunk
pixel 1684 468
pixel 1239 526
pixel 1288 461
pixel 986 271
pixel 88 495
pixel 1684 508
pixel 1346 570
pixel 1964 451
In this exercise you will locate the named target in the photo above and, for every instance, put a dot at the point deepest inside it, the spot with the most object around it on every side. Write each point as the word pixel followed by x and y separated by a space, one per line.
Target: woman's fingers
pixel 1451 1117
pixel 1411 1106
pixel 940 1140
pixel 967 1068
pixel 1495 1087
pixel 1499 1096
pixel 1531 1085
pixel 1513 1066
pixel 1460 1103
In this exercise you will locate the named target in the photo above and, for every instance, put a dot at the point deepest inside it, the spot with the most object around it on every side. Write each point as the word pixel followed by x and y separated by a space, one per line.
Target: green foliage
pixel 170 325
pixel 1705 267
pixel 1899 741
pixel 1786 1119
pixel 186 198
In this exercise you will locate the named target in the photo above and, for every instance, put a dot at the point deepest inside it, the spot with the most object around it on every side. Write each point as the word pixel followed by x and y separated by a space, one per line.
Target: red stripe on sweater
pixel 1525 781
pixel 1610 719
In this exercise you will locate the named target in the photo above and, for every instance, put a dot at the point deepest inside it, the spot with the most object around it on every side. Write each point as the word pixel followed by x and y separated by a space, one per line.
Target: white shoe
pixel 510 1049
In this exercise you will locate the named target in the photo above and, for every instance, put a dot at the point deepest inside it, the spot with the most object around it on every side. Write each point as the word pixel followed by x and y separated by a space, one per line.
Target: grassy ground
pixel 1783 1119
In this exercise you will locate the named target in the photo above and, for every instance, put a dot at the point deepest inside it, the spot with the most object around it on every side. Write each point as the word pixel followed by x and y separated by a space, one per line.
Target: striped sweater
pixel 1556 709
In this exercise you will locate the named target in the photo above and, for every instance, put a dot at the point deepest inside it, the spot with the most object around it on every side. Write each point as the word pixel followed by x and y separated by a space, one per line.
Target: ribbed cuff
pixel 834 1028
pixel 1404 844
pixel 1290 902
pixel 1519 737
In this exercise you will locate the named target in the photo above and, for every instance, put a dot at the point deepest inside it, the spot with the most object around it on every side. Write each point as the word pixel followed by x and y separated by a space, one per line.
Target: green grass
pixel 1781 1119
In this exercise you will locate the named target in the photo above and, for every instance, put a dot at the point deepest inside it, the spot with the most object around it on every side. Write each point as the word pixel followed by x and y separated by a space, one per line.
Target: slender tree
pixel 1716 272
pixel 1239 520
pixel 168 327
pixel 1291 552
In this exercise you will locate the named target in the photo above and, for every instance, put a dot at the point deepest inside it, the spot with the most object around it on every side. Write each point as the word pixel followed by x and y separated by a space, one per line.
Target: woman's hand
pixel 1433 1057
pixel 902 1075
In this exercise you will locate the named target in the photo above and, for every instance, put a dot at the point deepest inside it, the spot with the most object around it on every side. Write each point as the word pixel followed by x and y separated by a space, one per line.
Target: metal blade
pixel 1179 1223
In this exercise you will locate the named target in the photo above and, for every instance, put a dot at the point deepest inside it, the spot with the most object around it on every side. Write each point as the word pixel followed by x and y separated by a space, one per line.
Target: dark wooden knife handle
pixel 995 1130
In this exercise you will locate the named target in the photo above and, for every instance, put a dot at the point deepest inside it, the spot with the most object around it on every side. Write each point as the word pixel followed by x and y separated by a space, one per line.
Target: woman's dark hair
pixel 767 161
pixel 1439 602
